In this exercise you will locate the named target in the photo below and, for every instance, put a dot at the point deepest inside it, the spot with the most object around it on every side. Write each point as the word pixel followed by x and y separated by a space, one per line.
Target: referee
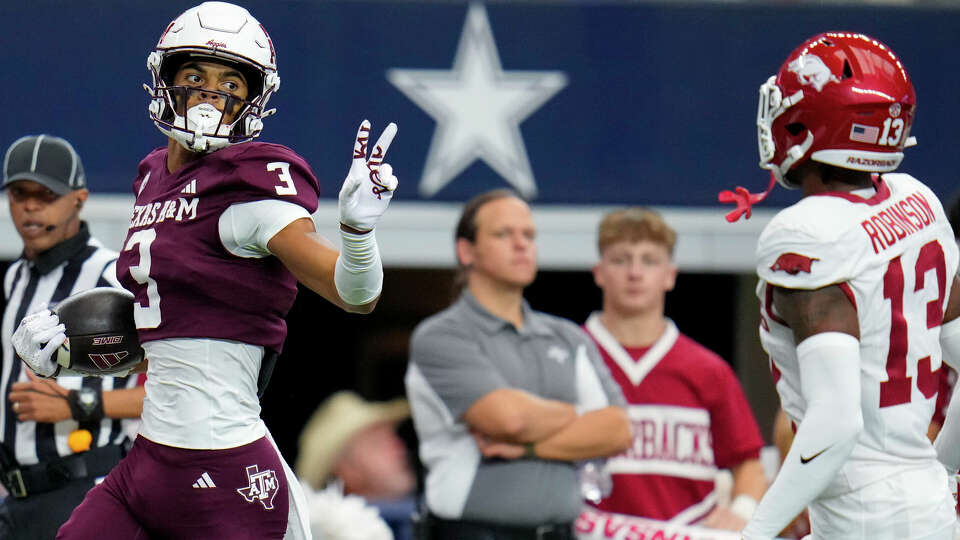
pixel 57 437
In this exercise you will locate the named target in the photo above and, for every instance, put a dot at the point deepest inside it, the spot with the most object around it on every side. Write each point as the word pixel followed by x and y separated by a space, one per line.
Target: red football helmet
pixel 840 98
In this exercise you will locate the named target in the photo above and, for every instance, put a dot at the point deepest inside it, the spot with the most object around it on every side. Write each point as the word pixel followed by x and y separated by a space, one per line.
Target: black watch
pixel 85 404
pixel 88 398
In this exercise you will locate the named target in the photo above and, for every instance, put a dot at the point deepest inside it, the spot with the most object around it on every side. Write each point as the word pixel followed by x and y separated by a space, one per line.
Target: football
pixel 101 332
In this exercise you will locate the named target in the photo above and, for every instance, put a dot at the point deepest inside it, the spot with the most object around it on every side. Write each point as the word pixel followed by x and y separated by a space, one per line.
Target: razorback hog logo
pixel 793 263
pixel 107 361
pixel 811 70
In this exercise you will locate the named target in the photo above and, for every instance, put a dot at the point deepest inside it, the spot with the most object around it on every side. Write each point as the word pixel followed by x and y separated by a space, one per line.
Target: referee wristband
pixel 744 506
pixel 86 407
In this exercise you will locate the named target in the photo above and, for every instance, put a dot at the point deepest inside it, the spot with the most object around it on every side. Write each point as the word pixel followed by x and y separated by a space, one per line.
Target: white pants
pixel 914 504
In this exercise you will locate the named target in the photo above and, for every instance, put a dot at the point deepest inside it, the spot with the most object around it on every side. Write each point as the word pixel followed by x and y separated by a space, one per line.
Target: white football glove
pixel 369 185
pixel 37 339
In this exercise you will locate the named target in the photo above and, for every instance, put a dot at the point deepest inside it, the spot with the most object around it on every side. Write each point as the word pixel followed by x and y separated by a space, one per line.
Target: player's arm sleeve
pixel 246 228
pixel 830 384
pixel 358 275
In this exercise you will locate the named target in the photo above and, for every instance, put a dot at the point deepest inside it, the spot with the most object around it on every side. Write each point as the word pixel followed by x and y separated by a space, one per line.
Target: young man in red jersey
pixel 689 415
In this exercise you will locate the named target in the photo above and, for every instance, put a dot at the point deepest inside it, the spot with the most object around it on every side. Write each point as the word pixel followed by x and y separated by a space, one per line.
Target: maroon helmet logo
pixel 793 263
pixel 107 361
pixel 216 44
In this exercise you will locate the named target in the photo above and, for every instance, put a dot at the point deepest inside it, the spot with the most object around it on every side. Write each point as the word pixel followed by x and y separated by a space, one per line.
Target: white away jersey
pixel 891 250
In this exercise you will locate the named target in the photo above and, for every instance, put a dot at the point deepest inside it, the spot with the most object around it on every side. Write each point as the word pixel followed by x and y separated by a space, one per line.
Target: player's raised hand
pixel 370 184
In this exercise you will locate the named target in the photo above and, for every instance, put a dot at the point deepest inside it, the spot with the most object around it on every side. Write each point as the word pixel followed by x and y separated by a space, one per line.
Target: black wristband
pixel 86 405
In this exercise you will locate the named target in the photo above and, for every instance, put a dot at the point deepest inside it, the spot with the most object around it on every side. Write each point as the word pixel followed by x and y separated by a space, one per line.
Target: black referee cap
pixel 47 160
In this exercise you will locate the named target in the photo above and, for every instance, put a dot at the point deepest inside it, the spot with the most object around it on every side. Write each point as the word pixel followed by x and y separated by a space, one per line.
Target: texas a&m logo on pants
pixel 263 486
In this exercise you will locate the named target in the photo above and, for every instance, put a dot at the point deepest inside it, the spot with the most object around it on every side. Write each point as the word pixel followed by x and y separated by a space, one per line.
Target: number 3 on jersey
pixel 145 316
pixel 896 389
pixel 283 171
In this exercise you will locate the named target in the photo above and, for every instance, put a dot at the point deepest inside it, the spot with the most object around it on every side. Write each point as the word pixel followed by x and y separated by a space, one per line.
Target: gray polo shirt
pixel 462 354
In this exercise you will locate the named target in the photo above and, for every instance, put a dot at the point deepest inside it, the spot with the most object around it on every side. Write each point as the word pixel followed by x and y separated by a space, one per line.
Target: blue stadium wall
pixel 656 105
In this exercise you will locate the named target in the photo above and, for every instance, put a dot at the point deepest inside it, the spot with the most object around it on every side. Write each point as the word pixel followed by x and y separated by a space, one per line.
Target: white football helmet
pixel 219 32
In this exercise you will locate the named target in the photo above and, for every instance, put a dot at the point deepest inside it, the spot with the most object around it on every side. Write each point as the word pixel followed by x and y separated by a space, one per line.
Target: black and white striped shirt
pixel 74 265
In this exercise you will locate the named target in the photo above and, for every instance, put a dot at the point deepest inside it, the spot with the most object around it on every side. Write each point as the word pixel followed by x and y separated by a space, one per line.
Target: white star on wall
pixel 478 108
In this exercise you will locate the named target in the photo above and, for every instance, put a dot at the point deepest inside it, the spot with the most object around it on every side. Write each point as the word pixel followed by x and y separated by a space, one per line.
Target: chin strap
pixel 744 199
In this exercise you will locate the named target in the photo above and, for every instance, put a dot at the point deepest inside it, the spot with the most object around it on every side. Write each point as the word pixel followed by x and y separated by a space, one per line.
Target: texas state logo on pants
pixel 262 487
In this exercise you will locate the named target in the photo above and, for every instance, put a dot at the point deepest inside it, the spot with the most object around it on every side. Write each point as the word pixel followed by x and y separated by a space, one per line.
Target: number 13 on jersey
pixel 897 389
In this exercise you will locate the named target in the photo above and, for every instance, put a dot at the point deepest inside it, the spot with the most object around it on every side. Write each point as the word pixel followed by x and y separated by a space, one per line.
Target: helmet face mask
pixel 771 106
pixel 841 99
pixel 177 117
pixel 221 33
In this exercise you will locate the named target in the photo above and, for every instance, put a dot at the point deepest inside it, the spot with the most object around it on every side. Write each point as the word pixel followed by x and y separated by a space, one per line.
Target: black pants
pixel 37 517
pixel 445 529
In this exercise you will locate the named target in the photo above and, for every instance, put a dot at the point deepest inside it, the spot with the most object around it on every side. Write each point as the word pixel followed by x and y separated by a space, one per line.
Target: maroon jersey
pixel 689 418
pixel 187 285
